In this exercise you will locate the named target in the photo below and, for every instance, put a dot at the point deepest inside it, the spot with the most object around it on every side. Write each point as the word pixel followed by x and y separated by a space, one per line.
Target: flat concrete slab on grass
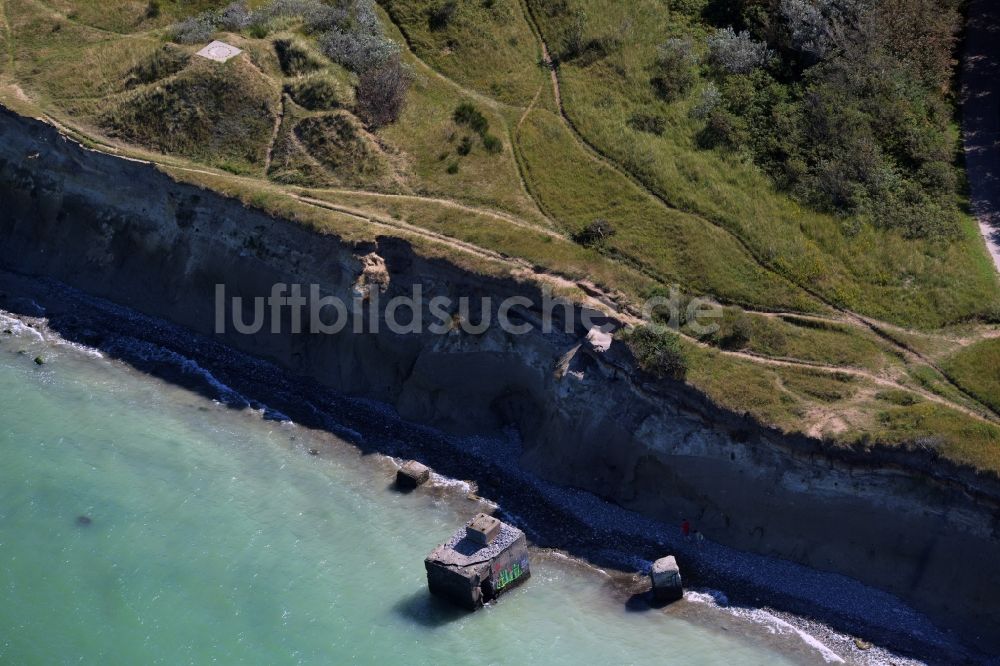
pixel 219 51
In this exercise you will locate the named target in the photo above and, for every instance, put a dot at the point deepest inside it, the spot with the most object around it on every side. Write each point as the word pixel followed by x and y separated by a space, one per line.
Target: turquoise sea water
pixel 214 537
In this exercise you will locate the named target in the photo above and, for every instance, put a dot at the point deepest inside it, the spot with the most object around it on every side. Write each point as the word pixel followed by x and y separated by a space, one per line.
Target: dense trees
pixel 844 102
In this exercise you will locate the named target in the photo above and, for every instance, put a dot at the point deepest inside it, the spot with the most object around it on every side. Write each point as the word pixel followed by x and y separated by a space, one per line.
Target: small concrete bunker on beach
pixel 478 563
pixel 412 475
pixel 666 578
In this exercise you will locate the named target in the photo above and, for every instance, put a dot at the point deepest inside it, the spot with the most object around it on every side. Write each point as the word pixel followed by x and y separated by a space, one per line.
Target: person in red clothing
pixel 685 528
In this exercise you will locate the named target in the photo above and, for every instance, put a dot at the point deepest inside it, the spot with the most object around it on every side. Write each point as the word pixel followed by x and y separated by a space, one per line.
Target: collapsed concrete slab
pixel 469 572
pixel 666 577
pixel 412 474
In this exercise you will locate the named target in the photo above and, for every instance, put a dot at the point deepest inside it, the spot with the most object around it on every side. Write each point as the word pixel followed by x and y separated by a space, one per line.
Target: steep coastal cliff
pixel 901 521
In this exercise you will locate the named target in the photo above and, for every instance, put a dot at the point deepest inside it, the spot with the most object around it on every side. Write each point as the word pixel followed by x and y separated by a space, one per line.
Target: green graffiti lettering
pixel 508 576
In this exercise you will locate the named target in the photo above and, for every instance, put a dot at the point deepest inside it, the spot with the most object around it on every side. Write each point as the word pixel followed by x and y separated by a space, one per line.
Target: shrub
pixel 737 53
pixel 356 18
pixel 723 129
pixel 381 92
pixel 336 142
pixel 856 120
pixel 595 233
pixel 439 17
pixel 492 144
pixel 358 51
pixel 690 7
pixel 207 112
pixel 575 39
pixel 464 146
pixel 899 397
pixel 658 351
pixel 165 62
pixel 467 114
pixel 811 24
pixel 734 330
pixel 643 122
pixel 708 101
pixel 452 168
pixel 738 333
pixel 194 30
pixel 316 93
pixel 318 16
pixel 153 9
pixel 294 58
pixel 234 17
pixel 674 68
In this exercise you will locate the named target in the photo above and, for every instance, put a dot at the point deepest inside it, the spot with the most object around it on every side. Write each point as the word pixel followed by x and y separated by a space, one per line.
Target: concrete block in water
pixel 412 474
pixel 469 573
pixel 666 577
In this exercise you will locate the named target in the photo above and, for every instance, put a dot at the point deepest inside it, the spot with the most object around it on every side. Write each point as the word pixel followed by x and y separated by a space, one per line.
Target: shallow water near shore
pixel 211 534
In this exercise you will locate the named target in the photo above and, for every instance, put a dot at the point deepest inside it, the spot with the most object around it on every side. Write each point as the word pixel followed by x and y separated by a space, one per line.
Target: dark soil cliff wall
pixel 122 230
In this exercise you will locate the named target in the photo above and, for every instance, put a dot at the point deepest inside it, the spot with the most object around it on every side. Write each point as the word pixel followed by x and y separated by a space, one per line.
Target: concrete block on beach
pixel 412 474
pixel 666 577
pixel 468 573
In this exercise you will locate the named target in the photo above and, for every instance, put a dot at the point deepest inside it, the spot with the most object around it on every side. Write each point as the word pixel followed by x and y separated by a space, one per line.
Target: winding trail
pixel 598 296
pixel 981 117
pixel 594 296
pixel 140 34
pixel 278 120
pixel 448 203
pixel 990 28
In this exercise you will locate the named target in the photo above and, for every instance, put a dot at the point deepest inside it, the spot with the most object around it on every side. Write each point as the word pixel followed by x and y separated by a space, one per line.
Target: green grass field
pixel 915 283
pixel 976 368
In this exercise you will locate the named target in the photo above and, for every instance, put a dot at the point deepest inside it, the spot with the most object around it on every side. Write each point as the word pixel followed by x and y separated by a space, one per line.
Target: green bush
pixel 492 144
pixel 658 351
pixel 439 17
pixel 673 71
pixel 899 397
pixel 162 63
pixel 467 114
pixel 317 93
pixel 859 126
pixel 296 58
pixel 595 233
pixel 644 122
pixel 735 330
pixel 381 92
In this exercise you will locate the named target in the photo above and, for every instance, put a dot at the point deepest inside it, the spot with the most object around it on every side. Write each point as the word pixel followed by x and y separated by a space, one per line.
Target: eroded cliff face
pixel 124 231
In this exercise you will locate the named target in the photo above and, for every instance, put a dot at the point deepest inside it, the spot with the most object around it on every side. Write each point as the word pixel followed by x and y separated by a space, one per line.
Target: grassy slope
pixel 509 72
pixel 78 72
pixel 427 133
pixel 576 189
pixel 875 272
pixel 977 369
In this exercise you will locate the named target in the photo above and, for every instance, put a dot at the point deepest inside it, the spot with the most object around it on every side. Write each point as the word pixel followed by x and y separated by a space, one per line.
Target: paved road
pixel 981 117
